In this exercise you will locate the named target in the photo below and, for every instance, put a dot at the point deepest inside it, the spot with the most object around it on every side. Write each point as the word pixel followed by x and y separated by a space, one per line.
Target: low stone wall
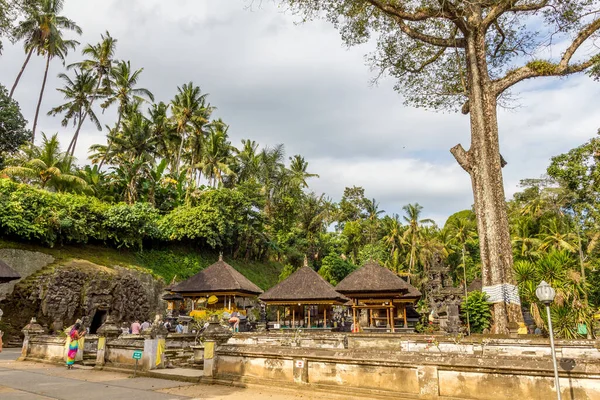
pixel 322 340
pixel 119 351
pixel 416 366
pixel 45 347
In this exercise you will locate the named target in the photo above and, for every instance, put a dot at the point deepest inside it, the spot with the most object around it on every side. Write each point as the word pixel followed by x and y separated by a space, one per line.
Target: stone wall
pixel 416 366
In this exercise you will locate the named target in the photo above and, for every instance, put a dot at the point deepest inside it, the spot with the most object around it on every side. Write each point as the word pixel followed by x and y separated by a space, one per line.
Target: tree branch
pixel 529 7
pixel 421 15
pixel 432 40
pixel 538 68
pixel 462 157
pixel 402 16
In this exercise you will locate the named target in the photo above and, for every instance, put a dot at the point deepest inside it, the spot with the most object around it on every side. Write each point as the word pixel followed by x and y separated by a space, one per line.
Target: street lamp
pixel 546 294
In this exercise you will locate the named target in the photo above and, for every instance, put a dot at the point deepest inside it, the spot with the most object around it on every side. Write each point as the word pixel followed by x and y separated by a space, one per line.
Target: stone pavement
pixel 35 381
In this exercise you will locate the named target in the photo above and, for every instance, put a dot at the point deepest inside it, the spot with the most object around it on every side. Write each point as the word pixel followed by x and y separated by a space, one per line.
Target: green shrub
pixel 480 314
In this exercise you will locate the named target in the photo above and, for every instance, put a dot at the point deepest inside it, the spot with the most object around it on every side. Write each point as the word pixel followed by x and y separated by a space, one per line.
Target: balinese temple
pixel 7 274
pixel 382 297
pixel 303 300
pixel 218 286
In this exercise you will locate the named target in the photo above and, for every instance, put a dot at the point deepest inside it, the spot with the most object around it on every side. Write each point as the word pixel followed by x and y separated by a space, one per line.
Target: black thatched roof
pixel 373 278
pixel 172 297
pixel 303 286
pixel 219 277
pixel 7 274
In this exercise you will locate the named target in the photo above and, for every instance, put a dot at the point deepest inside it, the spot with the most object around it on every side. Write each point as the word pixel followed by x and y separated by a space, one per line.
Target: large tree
pixel 13 127
pixel 467 54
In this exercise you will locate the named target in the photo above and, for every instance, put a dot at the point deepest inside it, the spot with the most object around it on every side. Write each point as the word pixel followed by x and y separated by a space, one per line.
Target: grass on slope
pixel 166 263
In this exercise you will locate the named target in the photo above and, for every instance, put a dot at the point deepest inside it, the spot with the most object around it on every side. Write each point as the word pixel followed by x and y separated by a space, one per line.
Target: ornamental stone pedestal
pixel 108 330
pixel 30 330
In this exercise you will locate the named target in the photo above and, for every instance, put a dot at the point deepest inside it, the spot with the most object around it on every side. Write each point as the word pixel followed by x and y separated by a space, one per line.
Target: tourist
pixel 124 328
pixel 179 327
pixel 235 320
pixel 74 336
pixel 145 325
pixel 1 334
pixel 136 327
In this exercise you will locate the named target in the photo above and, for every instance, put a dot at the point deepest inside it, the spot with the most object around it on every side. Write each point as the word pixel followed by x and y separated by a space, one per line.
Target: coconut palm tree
pixel 216 156
pixel 299 173
pixel 55 46
pixel 46 166
pixel 100 62
pixel 413 233
pixel 463 230
pixel 80 94
pixel 123 82
pixel 188 106
pixel 40 24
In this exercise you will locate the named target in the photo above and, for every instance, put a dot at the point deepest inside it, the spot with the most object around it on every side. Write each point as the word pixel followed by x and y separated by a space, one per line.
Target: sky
pixel 274 80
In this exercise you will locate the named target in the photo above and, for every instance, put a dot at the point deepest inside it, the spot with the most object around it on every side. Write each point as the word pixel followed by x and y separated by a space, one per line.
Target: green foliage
pixel 13 131
pixel 334 268
pixel 479 310
pixel 288 269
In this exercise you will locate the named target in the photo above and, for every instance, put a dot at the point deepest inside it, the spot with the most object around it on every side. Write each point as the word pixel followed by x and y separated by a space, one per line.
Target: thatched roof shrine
pixel 7 274
pixel 217 278
pixel 304 286
pixel 373 280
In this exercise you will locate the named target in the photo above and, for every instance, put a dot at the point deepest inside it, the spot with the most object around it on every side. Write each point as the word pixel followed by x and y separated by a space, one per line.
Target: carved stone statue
pixel 444 298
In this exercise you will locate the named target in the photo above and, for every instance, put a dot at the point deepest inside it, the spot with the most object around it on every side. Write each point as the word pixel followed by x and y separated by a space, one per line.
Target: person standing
pixel 179 327
pixel 145 325
pixel 74 337
pixel 136 327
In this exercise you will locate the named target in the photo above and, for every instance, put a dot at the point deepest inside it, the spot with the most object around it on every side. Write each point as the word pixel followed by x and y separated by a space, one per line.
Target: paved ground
pixel 34 381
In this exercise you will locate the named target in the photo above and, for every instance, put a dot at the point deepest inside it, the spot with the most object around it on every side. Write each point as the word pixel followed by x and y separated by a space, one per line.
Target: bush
pixel 480 314
pixel 334 269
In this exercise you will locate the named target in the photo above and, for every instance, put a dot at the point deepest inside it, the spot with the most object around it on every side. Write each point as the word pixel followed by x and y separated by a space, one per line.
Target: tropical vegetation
pixel 169 174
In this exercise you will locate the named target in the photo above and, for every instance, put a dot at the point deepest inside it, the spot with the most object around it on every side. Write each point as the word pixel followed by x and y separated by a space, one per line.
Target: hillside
pixel 166 263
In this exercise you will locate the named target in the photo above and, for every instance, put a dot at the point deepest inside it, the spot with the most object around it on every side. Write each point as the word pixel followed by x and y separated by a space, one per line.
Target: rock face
pixel 25 263
pixel 78 289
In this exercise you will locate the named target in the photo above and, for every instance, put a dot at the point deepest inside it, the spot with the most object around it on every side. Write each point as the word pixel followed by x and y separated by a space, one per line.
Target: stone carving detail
pixel 444 298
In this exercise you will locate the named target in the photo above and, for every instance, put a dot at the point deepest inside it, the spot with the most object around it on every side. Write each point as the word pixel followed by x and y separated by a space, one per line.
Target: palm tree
pixel 46 166
pixel 270 173
pixel 40 25
pixel 299 175
pixel 123 84
pixel 189 106
pixel 413 233
pixel 80 94
pixel 524 242
pixel 216 156
pixel 247 161
pixel 373 212
pixel 463 230
pixel 392 228
pixel 100 61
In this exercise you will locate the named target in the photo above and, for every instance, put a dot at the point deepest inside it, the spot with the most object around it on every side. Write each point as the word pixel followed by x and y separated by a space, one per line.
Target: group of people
pixel 136 327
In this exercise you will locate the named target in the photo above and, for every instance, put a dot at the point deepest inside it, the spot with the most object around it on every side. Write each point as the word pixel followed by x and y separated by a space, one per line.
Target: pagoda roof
pixel 219 277
pixel 303 286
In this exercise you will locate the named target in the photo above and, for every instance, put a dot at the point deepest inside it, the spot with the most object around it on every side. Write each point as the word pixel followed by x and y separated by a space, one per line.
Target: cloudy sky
pixel 276 81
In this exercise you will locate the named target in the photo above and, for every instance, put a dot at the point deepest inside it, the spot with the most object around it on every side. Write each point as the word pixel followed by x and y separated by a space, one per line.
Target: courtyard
pixel 35 381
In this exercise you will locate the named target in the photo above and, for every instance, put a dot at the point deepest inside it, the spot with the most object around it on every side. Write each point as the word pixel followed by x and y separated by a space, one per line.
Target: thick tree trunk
pixel 37 110
pixel 483 163
pixel 12 90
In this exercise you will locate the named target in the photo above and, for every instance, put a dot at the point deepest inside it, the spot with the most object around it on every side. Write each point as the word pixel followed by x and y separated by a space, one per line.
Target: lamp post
pixel 546 294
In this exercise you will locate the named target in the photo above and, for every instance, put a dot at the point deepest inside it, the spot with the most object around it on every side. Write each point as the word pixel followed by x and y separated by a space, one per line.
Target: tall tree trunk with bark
pixel 37 110
pixel 484 165
pixel 12 90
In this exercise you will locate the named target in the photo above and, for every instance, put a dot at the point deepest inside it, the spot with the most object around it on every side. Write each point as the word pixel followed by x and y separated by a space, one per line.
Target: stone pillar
pixel 108 330
pixel 428 382
pixel 263 325
pixel 301 371
pixel 209 357
pixel 30 330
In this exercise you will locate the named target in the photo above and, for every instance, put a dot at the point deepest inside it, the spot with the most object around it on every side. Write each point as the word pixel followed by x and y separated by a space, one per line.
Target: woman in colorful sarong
pixel 74 336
